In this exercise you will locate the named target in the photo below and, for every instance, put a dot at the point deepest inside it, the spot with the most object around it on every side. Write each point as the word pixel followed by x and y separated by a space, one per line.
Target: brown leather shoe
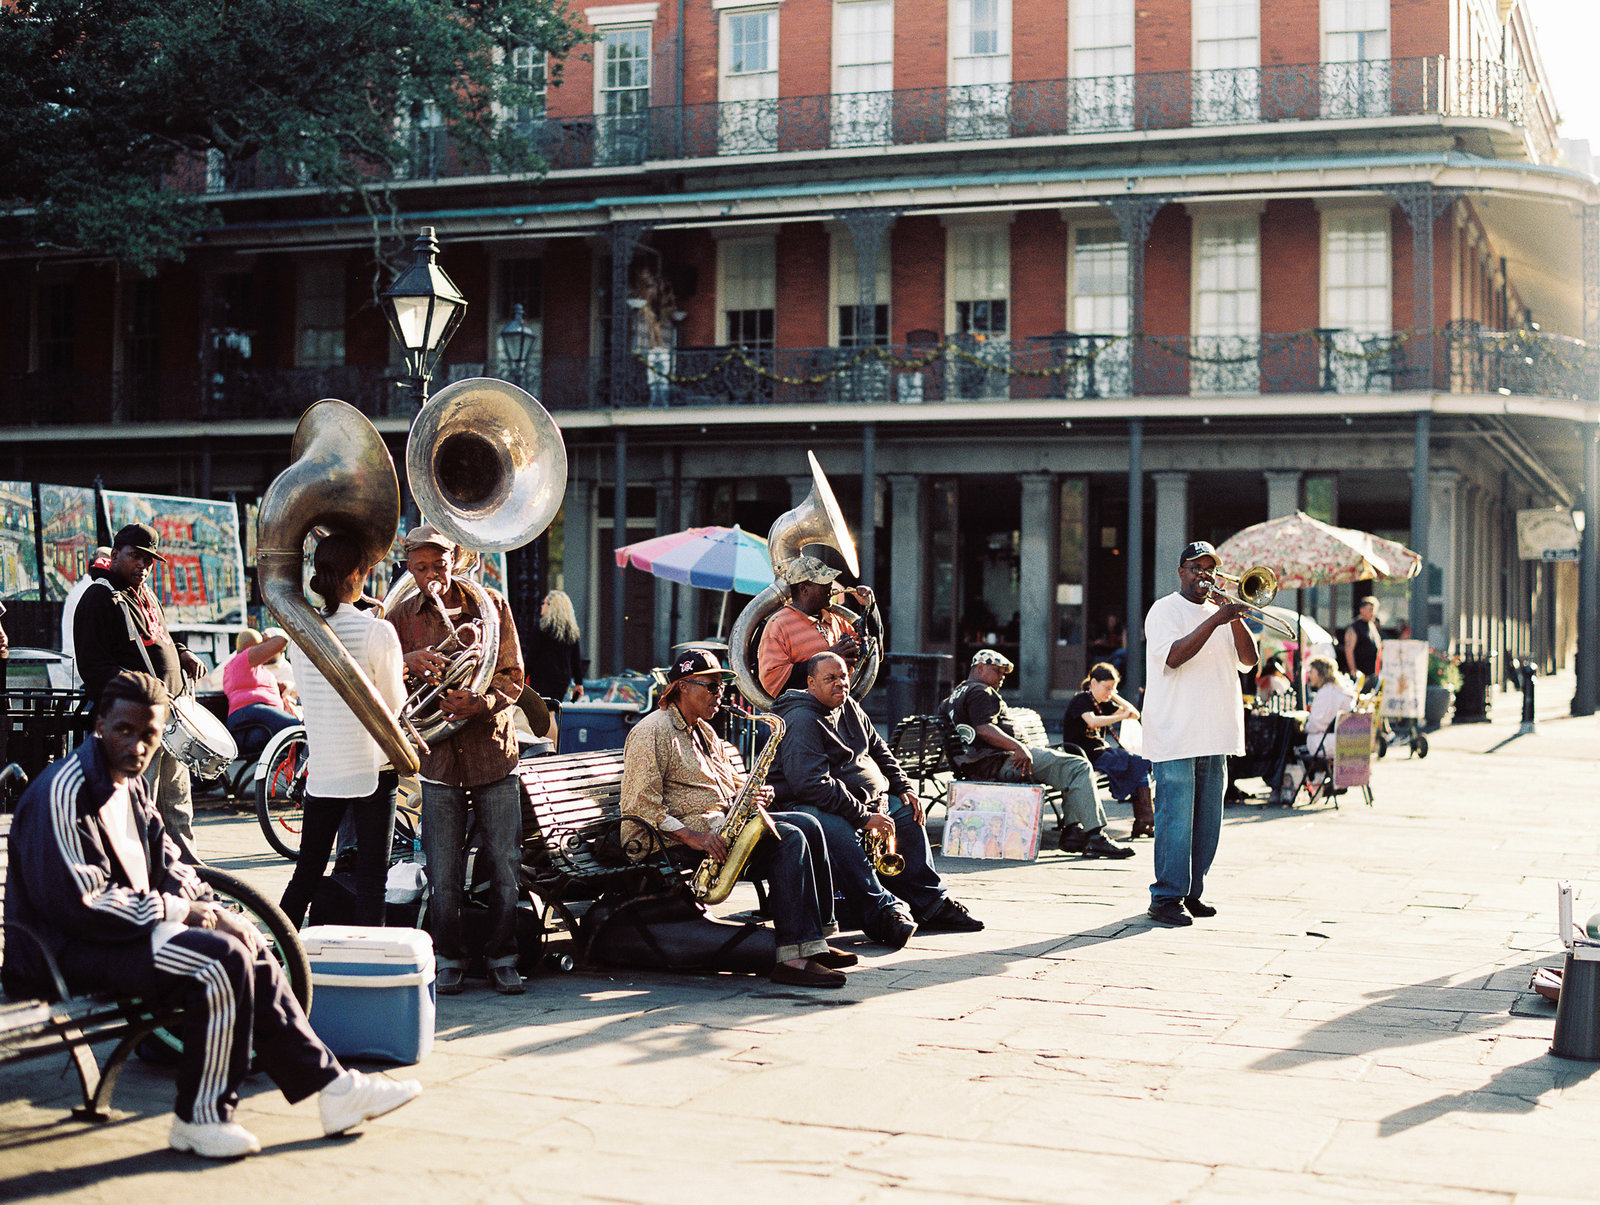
pixel 835 959
pixel 813 974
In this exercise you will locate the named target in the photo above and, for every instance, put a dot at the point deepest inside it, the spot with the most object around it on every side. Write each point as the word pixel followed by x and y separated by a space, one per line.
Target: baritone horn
pixel 1256 587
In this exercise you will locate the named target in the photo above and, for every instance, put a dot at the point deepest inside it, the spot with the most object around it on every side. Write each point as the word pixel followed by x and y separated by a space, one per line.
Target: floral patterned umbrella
pixel 1304 551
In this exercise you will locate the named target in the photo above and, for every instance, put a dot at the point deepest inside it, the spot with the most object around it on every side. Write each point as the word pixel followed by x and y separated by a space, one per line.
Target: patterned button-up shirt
pixel 672 769
pixel 485 749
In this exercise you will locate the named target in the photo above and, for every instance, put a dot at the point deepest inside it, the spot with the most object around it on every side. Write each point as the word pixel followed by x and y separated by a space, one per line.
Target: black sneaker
pixel 950 917
pixel 1098 845
pixel 1167 912
pixel 892 927
pixel 1198 907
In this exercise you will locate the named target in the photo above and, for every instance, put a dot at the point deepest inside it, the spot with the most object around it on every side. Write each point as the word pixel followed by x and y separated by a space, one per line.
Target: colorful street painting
pixel 201 585
pixel 19 553
pixel 70 527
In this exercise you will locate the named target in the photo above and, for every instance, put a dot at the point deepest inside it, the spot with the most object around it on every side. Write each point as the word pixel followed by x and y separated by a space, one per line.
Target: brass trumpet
pixel 1256 587
pixel 884 862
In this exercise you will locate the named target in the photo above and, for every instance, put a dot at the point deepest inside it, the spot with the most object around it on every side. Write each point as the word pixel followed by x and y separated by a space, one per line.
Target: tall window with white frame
pixel 1357 305
pixel 319 318
pixel 868 379
pixel 1100 62
pixel 623 104
pixel 1355 54
pixel 979 273
pixel 528 69
pixel 747 289
pixel 747 118
pixel 428 141
pixel 980 69
pixel 1224 354
pixel 1097 291
pixel 1227 62
pixel 863 72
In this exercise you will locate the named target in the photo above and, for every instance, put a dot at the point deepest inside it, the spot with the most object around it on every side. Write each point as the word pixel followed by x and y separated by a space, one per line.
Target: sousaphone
pixel 817 520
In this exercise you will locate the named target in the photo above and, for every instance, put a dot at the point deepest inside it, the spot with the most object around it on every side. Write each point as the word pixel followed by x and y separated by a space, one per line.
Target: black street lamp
pixel 424 308
pixel 516 341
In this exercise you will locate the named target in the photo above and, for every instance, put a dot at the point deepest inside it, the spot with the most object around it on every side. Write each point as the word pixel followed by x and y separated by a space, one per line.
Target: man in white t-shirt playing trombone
pixel 1195 651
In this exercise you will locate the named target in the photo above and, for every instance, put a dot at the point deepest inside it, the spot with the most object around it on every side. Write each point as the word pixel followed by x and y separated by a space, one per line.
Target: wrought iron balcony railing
pixel 1170 100
pixel 1462 358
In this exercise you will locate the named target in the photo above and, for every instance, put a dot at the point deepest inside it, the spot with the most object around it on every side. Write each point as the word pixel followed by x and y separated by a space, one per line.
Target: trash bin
pixel 914 683
pixel 1472 696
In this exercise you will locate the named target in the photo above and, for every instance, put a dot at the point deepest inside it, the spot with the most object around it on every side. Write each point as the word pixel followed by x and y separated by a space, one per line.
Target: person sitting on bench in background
pixel 677 777
pixel 95 874
pixel 988 750
pixel 1087 724
pixel 833 765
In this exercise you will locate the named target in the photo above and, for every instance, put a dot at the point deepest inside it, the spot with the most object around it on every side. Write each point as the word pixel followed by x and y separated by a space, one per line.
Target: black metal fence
pixel 1462 358
pixel 1168 100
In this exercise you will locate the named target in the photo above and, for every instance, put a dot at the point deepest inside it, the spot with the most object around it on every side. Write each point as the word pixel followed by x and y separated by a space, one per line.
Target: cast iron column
pixel 1133 621
pixel 619 537
pixel 1421 480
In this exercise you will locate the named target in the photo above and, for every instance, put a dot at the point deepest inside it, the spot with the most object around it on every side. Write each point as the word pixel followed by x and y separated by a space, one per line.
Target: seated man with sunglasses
pixel 678 777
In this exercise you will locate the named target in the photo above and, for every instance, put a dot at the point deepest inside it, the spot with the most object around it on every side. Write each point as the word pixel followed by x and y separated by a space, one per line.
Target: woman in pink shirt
pixel 256 708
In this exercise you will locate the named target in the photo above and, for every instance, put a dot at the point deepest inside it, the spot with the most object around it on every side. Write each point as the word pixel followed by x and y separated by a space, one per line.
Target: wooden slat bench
pixel 576 852
pixel 31 1028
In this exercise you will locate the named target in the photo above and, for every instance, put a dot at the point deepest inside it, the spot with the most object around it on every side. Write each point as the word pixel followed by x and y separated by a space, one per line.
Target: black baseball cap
pixel 694 662
pixel 1195 549
pixel 141 537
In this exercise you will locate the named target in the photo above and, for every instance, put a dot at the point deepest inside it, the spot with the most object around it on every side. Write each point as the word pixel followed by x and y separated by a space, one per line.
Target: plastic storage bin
pixel 588 726
pixel 371 991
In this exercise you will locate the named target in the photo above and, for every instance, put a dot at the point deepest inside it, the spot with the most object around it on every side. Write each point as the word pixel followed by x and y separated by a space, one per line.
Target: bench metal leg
pixel 91 1082
pixel 97 1106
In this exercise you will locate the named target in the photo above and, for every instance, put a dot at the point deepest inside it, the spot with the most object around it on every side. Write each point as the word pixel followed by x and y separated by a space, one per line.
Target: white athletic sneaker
pixel 213 1140
pixel 355 1098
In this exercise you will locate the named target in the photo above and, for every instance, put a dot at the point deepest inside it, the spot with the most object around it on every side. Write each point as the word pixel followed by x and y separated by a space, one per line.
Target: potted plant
pixel 1444 676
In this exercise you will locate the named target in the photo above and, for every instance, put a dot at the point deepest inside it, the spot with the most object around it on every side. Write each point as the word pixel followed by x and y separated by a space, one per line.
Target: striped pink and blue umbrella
pixel 712 558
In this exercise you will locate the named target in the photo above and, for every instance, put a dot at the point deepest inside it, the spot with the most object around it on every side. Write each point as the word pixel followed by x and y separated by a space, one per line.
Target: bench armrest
pixel 58 984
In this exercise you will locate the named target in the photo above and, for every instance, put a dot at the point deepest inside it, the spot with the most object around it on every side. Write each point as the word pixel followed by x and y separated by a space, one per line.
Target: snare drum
pixel 198 739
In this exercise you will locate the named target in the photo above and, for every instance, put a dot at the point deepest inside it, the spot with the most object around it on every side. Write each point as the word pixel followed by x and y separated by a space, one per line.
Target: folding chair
pixel 1343 757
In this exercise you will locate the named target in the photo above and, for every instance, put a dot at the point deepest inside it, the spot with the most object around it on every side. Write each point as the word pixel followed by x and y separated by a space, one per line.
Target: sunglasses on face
pixel 714 691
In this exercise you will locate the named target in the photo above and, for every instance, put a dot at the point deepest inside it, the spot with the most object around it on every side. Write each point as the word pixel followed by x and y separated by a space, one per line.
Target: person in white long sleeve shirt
pixel 347 770
pixel 1333 693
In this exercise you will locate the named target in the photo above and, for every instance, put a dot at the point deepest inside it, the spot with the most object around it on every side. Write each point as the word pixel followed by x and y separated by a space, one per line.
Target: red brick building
pixel 1050 286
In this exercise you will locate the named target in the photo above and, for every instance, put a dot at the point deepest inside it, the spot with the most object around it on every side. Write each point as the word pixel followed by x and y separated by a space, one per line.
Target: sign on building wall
pixel 19 554
pixel 1547 535
pixel 201 585
pixel 70 528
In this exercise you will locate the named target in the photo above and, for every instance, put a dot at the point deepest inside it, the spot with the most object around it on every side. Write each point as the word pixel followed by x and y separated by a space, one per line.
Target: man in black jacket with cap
pixel 119 625
pixel 833 764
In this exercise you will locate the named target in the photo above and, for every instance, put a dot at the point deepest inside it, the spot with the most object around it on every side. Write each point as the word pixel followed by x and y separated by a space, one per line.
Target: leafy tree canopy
pixel 105 105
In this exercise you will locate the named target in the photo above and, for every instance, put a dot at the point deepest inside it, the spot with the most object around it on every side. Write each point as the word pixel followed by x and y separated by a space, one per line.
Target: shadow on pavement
pixel 1509 1090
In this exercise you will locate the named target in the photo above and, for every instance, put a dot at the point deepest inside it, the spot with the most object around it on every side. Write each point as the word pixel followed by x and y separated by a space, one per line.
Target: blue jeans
pixel 918 885
pixel 373 817
pixel 253 726
pixel 497 807
pixel 801 896
pixel 1188 824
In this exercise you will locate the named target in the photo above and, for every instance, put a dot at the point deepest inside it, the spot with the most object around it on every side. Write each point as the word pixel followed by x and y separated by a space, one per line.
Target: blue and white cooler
pixel 371 991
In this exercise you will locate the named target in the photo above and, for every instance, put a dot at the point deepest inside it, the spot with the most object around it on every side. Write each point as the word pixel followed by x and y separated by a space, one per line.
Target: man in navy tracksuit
pixel 94 873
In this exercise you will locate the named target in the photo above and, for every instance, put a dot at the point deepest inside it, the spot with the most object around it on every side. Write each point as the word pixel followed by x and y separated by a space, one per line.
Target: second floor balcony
pixel 1463 358
pixel 1365 90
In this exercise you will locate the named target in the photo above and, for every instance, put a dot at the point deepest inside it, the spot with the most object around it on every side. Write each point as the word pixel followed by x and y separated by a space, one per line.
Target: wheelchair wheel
pixel 280 793
pixel 1383 746
pixel 165 1045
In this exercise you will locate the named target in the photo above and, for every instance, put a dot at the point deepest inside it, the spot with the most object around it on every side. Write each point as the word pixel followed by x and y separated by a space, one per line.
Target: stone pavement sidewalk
pixel 1343 1030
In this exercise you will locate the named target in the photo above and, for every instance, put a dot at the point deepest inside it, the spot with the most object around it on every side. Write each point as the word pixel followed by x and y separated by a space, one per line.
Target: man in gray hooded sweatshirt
pixel 833 764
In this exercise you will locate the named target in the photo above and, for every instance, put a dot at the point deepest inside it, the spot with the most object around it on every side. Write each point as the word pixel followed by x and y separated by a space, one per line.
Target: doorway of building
pixel 974 568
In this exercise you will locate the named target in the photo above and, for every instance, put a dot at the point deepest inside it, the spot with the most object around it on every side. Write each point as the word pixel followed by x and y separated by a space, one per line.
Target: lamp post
pixel 424 308
pixel 516 340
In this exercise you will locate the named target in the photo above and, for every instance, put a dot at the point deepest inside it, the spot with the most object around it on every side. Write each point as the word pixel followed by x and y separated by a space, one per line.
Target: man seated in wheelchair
pixel 678 778
pixel 833 765
pixel 97 877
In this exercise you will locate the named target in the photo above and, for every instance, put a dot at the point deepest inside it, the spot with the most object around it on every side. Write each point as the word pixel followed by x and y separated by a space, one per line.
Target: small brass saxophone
pixel 746 824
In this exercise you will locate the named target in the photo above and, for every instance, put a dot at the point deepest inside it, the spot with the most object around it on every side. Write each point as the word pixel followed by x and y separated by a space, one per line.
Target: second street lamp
pixel 424 308
pixel 516 341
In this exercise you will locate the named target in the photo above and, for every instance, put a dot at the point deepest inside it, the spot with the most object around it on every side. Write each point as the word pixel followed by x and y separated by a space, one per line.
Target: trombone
pixel 1255 588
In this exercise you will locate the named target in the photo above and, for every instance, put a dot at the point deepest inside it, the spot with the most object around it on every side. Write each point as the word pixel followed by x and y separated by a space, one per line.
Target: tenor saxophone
pixel 746 824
